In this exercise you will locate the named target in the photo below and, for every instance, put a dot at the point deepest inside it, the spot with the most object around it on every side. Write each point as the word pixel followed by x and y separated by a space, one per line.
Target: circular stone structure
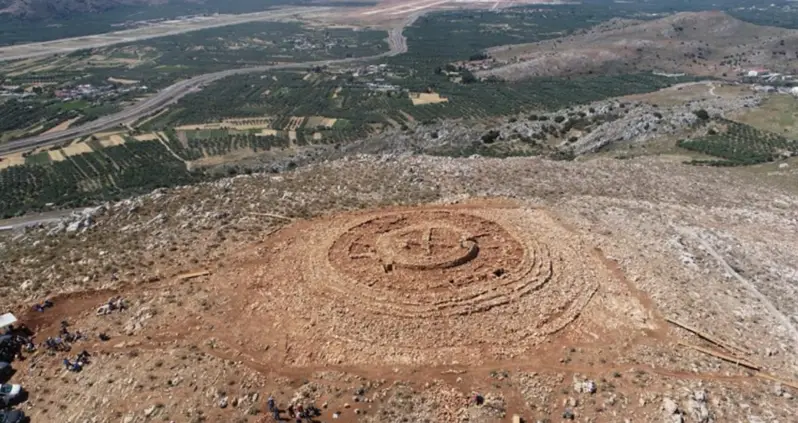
pixel 428 283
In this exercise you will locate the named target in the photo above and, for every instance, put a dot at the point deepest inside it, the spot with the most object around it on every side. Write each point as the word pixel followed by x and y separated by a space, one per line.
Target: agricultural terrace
pixel 108 173
pixel 739 144
pixel 112 165
pixel 363 103
pixel 87 84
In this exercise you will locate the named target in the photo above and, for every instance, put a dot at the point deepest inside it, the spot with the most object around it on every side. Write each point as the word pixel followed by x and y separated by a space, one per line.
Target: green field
pixel 739 144
pixel 777 114
pixel 38 158
pixel 107 174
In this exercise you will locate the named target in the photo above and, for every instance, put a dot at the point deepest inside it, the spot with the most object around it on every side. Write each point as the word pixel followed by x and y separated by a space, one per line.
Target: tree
pixel 490 136
pixel 478 56
pixel 701 114
pixel 468 77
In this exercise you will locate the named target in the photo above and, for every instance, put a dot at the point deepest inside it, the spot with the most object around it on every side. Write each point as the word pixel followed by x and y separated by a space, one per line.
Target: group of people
pixel 298 411
pixel 113 304
pixel 40 307
pixel 80 361
pixel 65 338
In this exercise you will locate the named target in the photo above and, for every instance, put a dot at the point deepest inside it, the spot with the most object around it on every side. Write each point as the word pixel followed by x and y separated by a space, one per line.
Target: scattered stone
pixel 223 402
pixel 346 405
pixel 150 411
pixel 671 411
pixel 698 409
pixel 568 414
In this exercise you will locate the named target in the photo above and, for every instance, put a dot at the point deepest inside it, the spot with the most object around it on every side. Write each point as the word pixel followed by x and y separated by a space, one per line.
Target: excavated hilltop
pixel 395 288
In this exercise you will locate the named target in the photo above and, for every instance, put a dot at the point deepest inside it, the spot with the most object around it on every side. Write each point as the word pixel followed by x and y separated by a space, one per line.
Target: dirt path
pixel 750 287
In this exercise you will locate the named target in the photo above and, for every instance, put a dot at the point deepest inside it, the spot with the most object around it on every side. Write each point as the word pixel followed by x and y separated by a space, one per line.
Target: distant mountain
pixel 42 9
pixel 33 10
pixel 700 43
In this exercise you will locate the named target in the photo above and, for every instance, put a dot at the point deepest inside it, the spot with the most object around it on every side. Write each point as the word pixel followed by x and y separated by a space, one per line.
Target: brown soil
pixel 435 290
pixel 402 312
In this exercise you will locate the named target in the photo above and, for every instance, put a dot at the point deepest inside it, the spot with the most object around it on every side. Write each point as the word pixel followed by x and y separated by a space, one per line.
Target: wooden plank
pixel 707 337
pixel 193 275
pixel 272 215
pixel 722 356
pixel 790 383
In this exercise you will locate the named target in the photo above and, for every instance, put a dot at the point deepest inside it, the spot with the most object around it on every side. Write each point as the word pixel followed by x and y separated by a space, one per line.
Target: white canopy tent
pixel 7 320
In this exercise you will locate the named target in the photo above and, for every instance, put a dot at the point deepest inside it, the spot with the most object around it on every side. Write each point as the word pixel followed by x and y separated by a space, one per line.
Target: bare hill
pixel 703 43
pixel 549 299
pixel 42 9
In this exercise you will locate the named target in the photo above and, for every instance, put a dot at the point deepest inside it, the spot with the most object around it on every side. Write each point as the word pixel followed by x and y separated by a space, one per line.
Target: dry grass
pixel 122 81
pixel 419 99
pixel 266 133
pixel 317 121
pixel 12 160
pixel 62 126
pixel 56 155
pixel 112 141
pixel 778 113
pixel 147 137
pixel 77 148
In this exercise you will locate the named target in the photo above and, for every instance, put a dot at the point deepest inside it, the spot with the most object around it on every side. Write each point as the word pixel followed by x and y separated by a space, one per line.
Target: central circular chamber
pixel 420 263
pixel 426 246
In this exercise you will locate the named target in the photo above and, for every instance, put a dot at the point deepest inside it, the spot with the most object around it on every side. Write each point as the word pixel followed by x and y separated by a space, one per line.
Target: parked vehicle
pixel 9 392
pixel 12 416
pixel 5 371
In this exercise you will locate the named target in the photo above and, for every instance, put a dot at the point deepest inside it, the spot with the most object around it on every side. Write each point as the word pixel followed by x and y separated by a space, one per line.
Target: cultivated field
pixel 152 31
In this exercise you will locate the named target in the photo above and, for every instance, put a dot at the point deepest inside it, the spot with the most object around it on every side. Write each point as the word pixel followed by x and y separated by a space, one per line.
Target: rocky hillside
pixel 704 43
pixel 43 9
pixel 710 247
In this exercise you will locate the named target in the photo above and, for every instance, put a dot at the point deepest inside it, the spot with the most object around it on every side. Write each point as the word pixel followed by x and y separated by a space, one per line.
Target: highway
pixel 396 41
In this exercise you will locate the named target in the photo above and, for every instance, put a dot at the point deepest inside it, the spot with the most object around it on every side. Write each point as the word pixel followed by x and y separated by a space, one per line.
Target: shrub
pixel 701 114
pixel 490 137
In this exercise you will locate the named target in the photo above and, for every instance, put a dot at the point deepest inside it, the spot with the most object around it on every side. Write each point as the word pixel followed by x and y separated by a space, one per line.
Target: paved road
pixel 172 93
